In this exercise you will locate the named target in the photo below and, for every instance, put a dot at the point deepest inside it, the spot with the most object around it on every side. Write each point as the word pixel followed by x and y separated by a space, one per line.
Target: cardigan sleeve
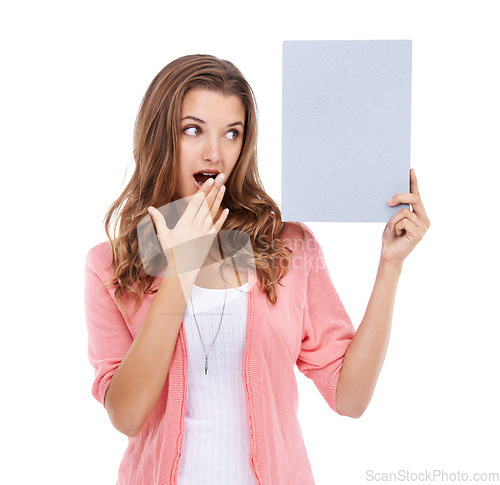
pixel 327 328
pixel 108 335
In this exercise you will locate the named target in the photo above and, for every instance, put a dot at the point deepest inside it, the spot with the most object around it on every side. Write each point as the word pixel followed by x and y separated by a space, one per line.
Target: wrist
pixel 390 265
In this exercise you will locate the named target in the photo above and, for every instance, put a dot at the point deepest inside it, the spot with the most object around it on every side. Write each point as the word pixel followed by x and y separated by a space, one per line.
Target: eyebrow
pixel 236 123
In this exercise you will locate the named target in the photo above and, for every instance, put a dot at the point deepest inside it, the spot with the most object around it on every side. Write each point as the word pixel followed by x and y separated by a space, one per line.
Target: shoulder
pixel 307 253
pixel 100 258
pixel 299 237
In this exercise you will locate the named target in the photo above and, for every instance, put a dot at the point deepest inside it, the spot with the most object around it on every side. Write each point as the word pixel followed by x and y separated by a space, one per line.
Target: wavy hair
pixel 153 182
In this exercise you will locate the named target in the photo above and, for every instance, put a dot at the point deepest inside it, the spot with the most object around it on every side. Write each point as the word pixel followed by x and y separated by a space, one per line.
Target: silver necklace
pixel 195 321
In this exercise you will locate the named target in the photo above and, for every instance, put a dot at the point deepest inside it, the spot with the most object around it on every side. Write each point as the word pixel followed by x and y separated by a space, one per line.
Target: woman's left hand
pixel 406 228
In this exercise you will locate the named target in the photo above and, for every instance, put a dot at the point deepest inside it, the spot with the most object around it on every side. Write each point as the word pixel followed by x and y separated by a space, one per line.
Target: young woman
pixel 196 363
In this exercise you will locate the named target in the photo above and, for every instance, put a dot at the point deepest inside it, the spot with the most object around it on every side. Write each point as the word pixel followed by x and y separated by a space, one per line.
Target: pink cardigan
pixel 308 326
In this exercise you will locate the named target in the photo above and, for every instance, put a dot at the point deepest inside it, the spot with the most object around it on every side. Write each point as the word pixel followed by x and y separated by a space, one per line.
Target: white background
pixel 73 75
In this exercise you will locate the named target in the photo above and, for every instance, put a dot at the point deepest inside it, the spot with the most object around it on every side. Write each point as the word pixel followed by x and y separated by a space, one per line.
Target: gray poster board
pixel 346 129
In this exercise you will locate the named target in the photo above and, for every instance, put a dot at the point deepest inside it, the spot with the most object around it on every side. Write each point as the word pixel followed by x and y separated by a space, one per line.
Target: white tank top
pixel 216 448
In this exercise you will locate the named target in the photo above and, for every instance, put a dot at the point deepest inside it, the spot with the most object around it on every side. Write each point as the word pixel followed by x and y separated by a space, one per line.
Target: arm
pixel 366 353
pixel 137 383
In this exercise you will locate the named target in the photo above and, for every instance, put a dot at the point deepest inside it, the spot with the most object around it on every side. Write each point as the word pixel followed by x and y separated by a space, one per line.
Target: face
pixel 210 137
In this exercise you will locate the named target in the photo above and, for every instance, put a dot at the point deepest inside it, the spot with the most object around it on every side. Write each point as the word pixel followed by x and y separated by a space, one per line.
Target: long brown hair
pixel 153 182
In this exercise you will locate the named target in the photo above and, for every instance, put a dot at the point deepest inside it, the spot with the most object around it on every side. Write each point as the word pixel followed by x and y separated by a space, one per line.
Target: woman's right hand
pixel 192 237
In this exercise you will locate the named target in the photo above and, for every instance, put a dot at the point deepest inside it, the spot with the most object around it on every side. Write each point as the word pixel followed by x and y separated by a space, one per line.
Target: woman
pixel 228 413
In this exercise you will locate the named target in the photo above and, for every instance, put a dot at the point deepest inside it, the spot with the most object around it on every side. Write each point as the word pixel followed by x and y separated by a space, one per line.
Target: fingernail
pixel 390 201
pixel 210 181
pixel 221 177
pixel 413 170
pixel 150 210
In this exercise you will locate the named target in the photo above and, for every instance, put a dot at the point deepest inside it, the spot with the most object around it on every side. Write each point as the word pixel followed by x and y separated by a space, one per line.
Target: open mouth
pixel 201 177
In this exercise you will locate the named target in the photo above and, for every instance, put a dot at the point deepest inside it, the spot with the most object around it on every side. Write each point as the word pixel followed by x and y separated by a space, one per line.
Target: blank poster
pixel 346 129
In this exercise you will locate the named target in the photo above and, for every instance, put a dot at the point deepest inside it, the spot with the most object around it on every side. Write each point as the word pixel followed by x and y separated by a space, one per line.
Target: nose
pixel 212 149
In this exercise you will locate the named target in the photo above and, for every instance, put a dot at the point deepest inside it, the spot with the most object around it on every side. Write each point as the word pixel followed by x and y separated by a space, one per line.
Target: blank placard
pixel 346 129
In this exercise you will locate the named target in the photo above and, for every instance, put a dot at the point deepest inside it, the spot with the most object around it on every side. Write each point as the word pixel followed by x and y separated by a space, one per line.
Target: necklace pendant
pixel 206 365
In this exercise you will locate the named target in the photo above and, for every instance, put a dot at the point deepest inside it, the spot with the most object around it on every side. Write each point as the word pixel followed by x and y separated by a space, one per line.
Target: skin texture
pixel 212 144
pixel 211 136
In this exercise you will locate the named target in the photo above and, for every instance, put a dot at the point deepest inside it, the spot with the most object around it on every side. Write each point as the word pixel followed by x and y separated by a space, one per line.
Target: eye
pixel 192 130
pixel 233 134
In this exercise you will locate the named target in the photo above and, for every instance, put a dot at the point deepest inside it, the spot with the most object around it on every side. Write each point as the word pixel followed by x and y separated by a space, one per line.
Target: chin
pixel 181 194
